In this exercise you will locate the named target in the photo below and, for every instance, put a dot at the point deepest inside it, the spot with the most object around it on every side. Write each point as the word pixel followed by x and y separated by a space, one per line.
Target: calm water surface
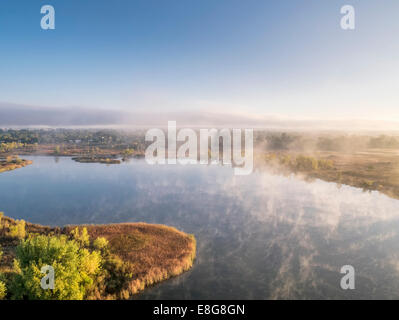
pixel 259 237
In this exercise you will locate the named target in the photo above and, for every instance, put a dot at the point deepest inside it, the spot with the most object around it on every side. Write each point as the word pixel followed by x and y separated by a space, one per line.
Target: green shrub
pixel 3 290
pixel 75 268
pixel 128 152
pixel 118 274
pixel 100 243
pixel 82 237
pixel 285 160
pixel 326 164
pixel 18 230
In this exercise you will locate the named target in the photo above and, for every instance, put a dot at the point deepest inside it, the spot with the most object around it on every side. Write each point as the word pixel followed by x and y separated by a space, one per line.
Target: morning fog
pixel 214 146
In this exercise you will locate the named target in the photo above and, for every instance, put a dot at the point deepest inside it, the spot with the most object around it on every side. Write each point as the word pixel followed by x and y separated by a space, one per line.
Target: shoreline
pixel 378 171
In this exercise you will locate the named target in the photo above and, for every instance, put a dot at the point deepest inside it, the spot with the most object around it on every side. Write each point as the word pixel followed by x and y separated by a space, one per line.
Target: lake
pixel 261 236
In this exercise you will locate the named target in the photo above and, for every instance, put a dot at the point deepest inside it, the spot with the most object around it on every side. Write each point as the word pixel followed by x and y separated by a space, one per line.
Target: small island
pixel 96 159
pixel 95 262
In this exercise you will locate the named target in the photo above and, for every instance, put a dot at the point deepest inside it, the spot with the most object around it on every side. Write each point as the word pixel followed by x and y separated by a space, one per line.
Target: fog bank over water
pixel 18 115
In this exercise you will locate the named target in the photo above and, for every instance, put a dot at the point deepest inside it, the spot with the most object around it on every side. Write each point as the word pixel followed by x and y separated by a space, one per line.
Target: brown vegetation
pixel 153 253
pixel 373 169
pixel 137 255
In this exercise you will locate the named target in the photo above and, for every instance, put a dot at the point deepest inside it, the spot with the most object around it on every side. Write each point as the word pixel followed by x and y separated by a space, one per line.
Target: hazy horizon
pixel 22 116
pixel 261 64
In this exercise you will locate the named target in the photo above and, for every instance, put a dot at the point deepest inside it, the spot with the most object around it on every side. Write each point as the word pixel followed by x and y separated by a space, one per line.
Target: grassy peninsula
pixel 112 261
pixel 12 163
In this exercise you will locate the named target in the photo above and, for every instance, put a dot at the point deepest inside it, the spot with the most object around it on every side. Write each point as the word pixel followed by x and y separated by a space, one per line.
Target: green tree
pixel 82 237
pixel 128 152
pixel 75 268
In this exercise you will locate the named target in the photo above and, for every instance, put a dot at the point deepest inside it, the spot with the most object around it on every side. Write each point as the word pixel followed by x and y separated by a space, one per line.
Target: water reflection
pixel 259 237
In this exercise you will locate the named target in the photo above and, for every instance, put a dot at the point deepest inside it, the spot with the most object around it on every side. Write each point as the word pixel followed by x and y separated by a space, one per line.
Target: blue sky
pixel 284 58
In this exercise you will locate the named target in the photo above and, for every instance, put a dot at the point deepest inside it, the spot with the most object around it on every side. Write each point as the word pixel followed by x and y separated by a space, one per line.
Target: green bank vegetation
pixel 90 262
pixel 10 146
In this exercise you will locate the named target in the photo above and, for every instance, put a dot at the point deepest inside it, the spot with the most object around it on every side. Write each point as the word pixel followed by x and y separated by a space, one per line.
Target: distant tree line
pixel 134 140
pixel 85 137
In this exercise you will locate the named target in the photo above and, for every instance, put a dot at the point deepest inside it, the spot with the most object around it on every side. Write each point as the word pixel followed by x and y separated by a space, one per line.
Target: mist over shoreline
pixel 25 116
